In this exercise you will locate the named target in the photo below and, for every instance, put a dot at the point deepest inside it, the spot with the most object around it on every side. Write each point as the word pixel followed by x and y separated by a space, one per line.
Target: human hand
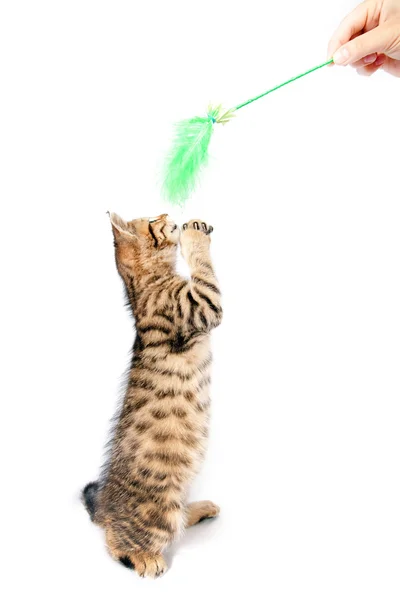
pixel 369 38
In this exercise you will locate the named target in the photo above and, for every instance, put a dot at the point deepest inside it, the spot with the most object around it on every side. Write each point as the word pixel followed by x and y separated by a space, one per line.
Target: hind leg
pixel 199 511
pixel 146 564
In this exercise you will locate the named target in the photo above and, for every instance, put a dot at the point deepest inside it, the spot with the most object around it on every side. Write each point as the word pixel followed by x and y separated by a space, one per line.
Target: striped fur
pixel 161 435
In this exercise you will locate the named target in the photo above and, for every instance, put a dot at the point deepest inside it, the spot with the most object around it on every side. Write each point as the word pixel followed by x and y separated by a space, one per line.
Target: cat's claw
pixel 199 226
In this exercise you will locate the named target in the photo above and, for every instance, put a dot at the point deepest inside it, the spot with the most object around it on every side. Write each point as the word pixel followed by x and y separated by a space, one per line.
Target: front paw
pixel 197 225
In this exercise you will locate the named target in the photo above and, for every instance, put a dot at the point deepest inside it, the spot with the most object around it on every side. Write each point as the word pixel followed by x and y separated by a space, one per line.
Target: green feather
pixel 189 154
pixel 187 157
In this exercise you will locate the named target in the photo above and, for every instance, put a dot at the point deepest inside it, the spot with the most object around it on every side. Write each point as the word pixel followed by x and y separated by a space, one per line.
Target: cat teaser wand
pixel 189 150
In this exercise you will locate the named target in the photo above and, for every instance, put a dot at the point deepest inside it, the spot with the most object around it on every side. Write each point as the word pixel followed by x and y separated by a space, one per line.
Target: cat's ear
pixel 121 229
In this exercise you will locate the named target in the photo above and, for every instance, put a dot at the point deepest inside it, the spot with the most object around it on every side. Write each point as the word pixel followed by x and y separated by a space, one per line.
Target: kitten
pixel 160 438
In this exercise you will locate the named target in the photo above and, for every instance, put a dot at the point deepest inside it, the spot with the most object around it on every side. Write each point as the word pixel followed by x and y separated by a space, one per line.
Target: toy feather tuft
pixel 189 154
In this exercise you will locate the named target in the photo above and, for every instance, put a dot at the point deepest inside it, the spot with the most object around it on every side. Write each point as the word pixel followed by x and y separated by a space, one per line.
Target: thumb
pixel 377 40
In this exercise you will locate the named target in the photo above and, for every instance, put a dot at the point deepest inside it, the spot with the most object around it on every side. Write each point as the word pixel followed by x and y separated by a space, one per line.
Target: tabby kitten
pixel 159 441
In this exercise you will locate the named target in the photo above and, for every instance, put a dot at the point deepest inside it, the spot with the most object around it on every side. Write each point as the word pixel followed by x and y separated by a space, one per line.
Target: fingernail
pixel 370 58
pixel 341 56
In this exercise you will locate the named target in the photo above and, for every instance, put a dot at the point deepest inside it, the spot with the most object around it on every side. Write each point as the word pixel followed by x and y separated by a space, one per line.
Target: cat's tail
pixel 89 497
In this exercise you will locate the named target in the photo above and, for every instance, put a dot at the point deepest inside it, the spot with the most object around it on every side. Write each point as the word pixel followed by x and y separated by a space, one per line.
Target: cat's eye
pixel 153 219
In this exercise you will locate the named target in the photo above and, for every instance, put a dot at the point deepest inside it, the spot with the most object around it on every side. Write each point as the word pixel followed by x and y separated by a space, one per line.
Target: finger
pixel 355 22
pixel 376 40
pixel 392 66
pixel 368 70
pixel 380 60
pixel 367 60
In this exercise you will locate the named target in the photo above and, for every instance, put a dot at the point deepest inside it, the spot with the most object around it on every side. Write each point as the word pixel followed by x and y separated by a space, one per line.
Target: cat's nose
pixel 170 221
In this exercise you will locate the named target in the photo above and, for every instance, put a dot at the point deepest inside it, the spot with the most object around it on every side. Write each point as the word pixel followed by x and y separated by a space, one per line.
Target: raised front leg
pixel 204 297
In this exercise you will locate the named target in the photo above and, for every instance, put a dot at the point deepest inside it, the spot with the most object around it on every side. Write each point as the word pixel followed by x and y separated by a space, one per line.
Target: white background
pixel 303 194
